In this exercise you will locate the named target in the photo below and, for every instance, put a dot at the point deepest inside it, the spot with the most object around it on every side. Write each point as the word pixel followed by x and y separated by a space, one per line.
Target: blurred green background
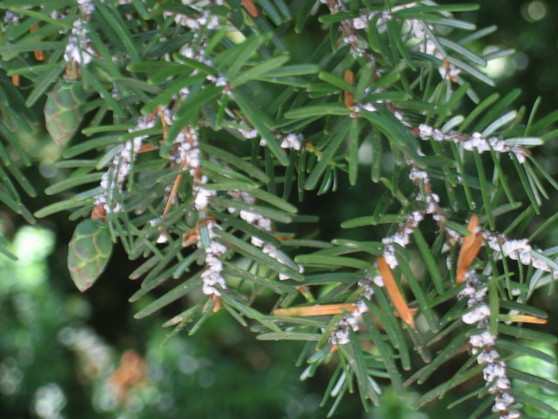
pixel 61 353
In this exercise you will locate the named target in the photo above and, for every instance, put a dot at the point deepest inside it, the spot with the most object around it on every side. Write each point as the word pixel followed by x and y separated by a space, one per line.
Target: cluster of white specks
pixel 187 154
pixel 264 224
pixel 213 281
pixel 449 70
pixel 475 293
pixel 367 285
pixel 415 28
pixel 221 81
pixel 10 17
pixel 482 344
pixel 471 142
pixel 78 48
pixel 249 133
pixel 115 177
pixel 196 54
pixel 340 336
pixel 519 250
pixel 479 314
pixel 293 141
pixel 417 174
pixel 86 7
pixel 480 341
pixel 432 200
pixel 205 19
pixel 366 106
pixel 199 24
pixel 361 22
pixel 402 237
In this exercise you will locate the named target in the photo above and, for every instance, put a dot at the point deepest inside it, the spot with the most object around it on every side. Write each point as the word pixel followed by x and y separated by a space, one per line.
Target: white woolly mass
pixel 482 340
pixel 488 357
pixel 418 174
pixel 450 71
pixel 502 402
pixel 432 201
pixel 512 414
pixel 389 256
pixel 293 141
pixel 86 7
pixel 402 237
pixel 340 336
pixel 368 107
pixel 414 28
pixel 78 48
pixel 213 281
pixel 121 166
pixel 10 17
pixel 474 296
pixel 480 313
pixel 360 22
pixel 205 19
pixel 248 133
pixel 262 223
pixel 494 371
pixel 202 198
pixel 475 141
pixel 519 250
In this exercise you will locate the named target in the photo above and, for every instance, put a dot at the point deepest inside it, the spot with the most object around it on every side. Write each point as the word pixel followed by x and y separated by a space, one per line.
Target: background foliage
pixel 218 359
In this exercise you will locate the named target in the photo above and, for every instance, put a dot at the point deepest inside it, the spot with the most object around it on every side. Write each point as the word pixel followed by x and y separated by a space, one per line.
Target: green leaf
pixel 289 336
pixel 258 255
pixel 325 159
pixel 187 112
pixel 336 261
pixel 533 380
pixel 523 333
pixel 293 70
pixel 261 122
pixel 318 110
pixel 177 292
pixel 72 182
pixel 114 21
pixel 531 401
pixel 89 252
pixel 259 70
pixel 235 161
pixel 372 220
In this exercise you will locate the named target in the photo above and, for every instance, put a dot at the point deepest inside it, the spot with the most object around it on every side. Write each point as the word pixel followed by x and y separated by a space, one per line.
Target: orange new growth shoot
pixel 317 310
pixel 145 148
pixel 525 318
pixel 217 305
pixel 469 250
pixel 394 293
pixel 250 8
pixel 39 55
pixel 347 96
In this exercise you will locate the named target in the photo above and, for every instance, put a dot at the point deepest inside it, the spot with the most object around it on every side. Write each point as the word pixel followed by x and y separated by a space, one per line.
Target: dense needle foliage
pixel 193 134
